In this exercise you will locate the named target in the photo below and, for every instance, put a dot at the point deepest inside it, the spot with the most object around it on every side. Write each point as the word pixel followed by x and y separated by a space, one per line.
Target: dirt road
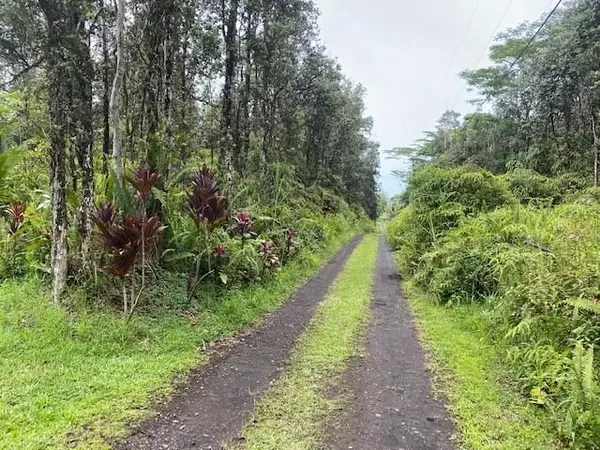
pixel 211 406
pixel 393 408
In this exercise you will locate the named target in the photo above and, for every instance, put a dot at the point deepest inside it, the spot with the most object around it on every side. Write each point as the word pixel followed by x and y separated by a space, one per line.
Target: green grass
pixel 72 379
pixel 489 412
pixel 292 414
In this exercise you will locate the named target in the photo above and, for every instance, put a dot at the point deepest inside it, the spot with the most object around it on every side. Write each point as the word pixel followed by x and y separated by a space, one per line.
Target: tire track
pixel 393 408
pixel 210 408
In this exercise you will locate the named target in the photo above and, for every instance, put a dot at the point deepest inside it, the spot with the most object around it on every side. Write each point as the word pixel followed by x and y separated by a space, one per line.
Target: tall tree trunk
pixel 115 98
pixel 105 97
pixel 229 29
pixel 243 140
pixel 57 60
pixel 596 151
pixel 82 90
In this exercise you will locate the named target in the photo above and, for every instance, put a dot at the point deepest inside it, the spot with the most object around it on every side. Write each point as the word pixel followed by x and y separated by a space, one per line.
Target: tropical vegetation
pixel 502 211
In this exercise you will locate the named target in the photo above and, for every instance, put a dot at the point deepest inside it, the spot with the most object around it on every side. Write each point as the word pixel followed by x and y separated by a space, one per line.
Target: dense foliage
pixel 535 266
pixel 126 102
pixel 531 256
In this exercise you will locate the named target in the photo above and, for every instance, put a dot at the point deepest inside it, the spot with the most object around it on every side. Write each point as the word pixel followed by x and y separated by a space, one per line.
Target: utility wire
pixel 535 35
pixel 531 39
pixel 462 41
pixel 483 52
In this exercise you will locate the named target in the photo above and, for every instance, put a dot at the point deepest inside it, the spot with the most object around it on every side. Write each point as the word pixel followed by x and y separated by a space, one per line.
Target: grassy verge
pixel 490 414
pixel 291 415
pixel 76 379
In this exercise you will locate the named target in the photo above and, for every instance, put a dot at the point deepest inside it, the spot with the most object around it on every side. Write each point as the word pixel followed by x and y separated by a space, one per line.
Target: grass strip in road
pixel 489 412
pixel 292 414
pixel 76 378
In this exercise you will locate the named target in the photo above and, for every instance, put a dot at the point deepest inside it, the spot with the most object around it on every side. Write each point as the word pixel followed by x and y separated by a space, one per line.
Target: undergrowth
pixel 532 264
pixel 489 412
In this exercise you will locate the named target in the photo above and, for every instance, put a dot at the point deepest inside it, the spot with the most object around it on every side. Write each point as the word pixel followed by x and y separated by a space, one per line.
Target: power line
pixel 462 41
pixel 532 38
pixel 509 4
pixel 493 36
pixel 535 35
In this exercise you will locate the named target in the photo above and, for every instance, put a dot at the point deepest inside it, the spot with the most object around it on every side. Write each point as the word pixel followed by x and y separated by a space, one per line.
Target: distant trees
pixel 545 106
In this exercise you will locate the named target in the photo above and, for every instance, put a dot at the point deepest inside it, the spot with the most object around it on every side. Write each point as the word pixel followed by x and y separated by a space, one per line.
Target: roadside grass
pixel 292 414
pixel 76 379
pixel 467 368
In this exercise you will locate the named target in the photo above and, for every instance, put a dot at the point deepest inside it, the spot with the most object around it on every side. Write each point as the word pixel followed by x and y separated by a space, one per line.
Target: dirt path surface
pixel 393 408
pixel 210 407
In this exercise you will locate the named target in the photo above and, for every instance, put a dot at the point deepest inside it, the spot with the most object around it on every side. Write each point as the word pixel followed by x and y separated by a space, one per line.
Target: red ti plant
pixel 242 225
pixel 16 217
pixel 125 239
pixel 220 254
pixel 144 179
pixel 208 209
pixel 268 251
pixel 290 243
pixel 15 220
pixel 220 251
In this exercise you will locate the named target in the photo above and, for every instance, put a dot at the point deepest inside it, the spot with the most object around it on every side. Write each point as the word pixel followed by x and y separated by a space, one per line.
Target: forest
pixel 500 221
pixel 170 172
pixel 126 103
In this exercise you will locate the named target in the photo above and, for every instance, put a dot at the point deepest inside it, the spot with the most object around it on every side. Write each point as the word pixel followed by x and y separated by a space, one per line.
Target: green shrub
pixel 570 183
pixel 439 199
pixel 473 190
pixel 535 266
pixel 540 270
pixel 532 188
pixel 586 196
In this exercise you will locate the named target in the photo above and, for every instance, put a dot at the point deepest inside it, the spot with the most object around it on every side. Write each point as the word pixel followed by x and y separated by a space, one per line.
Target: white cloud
pixel 402 51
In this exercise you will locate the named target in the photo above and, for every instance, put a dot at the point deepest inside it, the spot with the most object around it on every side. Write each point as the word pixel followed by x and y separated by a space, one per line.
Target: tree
pixel 115 97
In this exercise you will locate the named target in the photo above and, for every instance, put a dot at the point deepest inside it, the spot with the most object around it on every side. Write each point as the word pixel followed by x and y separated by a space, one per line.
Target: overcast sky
pixel 408 54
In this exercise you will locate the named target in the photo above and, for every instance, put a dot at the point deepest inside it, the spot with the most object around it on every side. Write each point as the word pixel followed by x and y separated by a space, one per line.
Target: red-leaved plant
pixel 268 251
pixel 130 237
pixel 124 241
pixel 242 225
pixel 220 251
pixel 209 209
pixel 143 179
pixel 16 217
pixel 290 243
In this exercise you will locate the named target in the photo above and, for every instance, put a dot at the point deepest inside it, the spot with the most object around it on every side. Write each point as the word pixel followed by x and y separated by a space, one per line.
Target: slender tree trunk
pixel 596 151
pixel 105 99
pixel 57 59
pixel 84 137
pixel 230 16
pixel 115 98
